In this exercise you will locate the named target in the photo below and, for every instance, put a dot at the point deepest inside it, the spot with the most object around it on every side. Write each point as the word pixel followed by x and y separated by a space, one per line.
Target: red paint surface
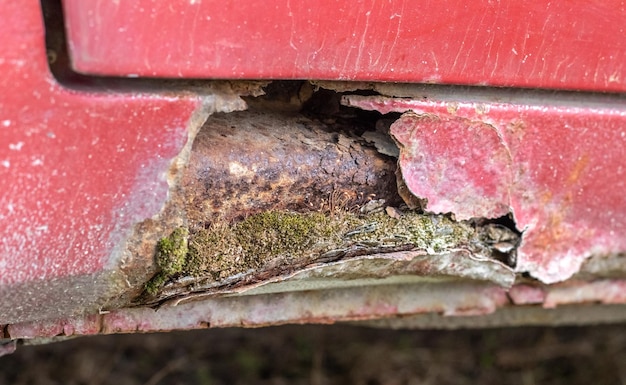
pixel 610 291
pixel 565 165
pixel 77 169
pixel 479 177
pixel 527 294
pixel 540 43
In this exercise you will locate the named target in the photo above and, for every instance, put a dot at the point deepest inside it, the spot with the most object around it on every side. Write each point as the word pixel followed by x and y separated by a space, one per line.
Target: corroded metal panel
pixel 280 161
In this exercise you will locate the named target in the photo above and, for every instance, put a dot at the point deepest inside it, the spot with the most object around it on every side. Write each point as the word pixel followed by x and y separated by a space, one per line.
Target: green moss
pixel 171 255
pixel 224 250
pixel 281 239
pixel 430 232
pixel 274 233
pixel 153 286
pixel 172 251
pixel 287 238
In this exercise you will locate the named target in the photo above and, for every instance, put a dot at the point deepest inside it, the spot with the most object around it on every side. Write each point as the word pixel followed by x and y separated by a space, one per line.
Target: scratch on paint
pixel 293 26
pixel 397 35
pixel 363 37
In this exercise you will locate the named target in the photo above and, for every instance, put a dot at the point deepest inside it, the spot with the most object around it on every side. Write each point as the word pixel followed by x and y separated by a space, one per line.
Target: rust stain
pixel 545 197
pixel 579 167
pixel 552 230
pixel 249 162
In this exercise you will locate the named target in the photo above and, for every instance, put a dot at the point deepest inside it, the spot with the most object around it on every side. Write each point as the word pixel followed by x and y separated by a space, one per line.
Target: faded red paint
pixel 470 181
pixel 540 43
pixel 609 291
pixel 558 169
pixel 78 169
pixel 527 294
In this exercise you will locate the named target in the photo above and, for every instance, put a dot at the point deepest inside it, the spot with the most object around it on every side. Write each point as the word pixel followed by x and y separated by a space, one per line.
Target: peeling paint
pixel 481 162
pixel 470 181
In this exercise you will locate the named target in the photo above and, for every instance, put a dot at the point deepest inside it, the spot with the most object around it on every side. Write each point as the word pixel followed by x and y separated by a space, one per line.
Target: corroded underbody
pixel 270 195
pixel 327 215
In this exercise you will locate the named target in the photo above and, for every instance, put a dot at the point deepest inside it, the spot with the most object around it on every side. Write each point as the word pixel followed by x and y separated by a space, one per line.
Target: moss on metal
pixel 282 240
pixel 172 251
pixel 171 255
pixel 224 250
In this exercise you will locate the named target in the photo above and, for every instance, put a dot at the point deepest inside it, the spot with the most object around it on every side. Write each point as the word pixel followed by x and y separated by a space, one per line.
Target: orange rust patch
pixel 578 169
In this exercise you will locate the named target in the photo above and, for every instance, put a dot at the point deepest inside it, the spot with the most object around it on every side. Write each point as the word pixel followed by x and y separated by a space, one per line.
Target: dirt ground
pixel 337 354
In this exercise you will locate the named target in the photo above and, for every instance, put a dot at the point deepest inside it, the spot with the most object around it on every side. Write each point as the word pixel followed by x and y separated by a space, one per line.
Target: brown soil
pixel 329 355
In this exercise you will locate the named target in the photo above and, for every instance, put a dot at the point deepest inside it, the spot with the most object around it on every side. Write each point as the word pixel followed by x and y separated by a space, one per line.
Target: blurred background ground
pixel 336 354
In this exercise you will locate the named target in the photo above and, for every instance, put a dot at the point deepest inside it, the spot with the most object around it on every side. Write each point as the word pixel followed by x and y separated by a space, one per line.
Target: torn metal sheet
pixel 361 271
pixel 437 164
pixel 558 169
pixel 287 249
